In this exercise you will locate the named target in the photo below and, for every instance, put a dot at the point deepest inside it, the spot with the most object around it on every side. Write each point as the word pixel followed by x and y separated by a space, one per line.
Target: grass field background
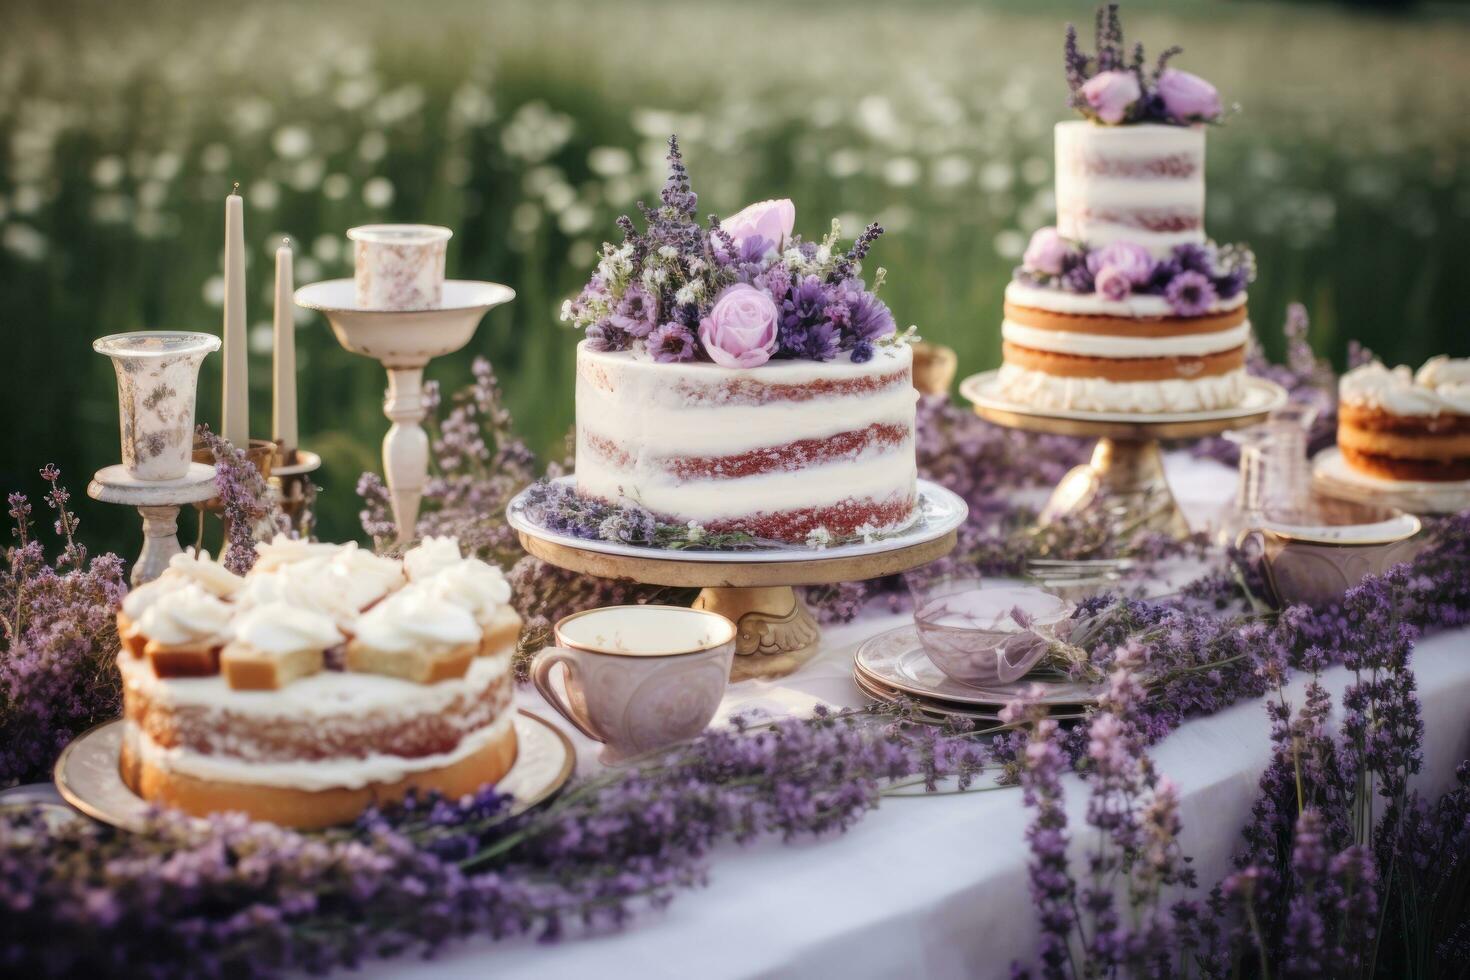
pixel 529 126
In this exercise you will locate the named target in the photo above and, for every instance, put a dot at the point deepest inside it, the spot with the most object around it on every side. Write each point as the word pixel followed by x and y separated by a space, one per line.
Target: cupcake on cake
pixel 1125 305
pixel 322 682
pixel 1403 425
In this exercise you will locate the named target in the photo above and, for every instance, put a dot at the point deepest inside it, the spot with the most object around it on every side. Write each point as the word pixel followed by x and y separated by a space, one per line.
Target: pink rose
pixel 1112 283
pixel 740 330
pixel 1046 253
pixel 1188 98
pixel 771 220
pixel 1128 258
pixel 1110 94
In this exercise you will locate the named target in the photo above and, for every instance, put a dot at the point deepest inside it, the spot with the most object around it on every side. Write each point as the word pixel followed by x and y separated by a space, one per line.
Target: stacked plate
pixel 893 665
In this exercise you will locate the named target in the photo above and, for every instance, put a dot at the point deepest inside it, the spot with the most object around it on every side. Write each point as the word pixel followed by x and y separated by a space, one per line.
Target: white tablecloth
pixel 932 886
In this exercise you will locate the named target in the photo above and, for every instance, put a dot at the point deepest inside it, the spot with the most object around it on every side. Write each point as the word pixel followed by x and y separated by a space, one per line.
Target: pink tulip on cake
pixel 771 220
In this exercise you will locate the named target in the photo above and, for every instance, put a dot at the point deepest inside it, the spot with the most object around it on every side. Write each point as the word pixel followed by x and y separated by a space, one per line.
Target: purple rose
pixel 771 220
pixel 1131 259
pixel 1110 94
pixel 1113 283
pixel 740 330
pixel 1191 293
pixel 1047 254
pixel 636 313
pixel 1187 97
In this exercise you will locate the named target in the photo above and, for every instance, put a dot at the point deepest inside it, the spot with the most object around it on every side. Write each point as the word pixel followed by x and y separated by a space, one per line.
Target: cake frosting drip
pixel 776 451
pixel 1142 184
pixel 186 616
pixel 1047 391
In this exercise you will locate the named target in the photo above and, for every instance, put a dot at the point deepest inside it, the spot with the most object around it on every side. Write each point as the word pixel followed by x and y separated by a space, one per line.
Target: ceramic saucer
pixel 896 659
pixel 87 775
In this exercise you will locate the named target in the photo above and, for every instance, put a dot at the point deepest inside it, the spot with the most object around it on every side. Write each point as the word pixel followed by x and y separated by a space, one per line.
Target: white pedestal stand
pixel 159 503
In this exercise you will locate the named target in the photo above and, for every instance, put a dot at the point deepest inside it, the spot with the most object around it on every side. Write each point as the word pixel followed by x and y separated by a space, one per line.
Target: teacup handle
pixel 541 667
pixel 1009 672
pixel 1273 595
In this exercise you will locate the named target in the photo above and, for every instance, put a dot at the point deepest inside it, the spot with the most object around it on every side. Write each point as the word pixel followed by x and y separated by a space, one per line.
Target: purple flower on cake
pixel 1187 97
pixel 1111 94
pixel 636 313
pixel 1047 253
pixel 670 343
pixel 1113 283
pixel 741 328
pixel 868 316
pixel 1127 258
pixel 1191 293
pixel 771 220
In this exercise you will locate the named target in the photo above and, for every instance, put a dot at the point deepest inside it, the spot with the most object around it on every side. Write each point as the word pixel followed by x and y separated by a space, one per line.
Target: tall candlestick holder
pixel 404 341
pixel 291 473
pixel 157 378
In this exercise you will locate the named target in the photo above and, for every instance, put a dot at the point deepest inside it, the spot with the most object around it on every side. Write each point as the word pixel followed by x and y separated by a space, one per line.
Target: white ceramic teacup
pixel 399 267
pixel 638 678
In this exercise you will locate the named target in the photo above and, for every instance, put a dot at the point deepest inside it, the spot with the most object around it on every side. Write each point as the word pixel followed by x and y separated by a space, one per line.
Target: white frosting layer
pixel 652 412
pixel 1049 391
pixel 416 619
pixel 431 555
pixel 279 628
pixel 1441 385
pixel 349 773
pixel 282 550
pixel 137 601
pixel 1091 304
pixel 326 695
pixel 209 575
pixel 1105 345
pixel 186 616
pixel 476 586
pixel 1123 182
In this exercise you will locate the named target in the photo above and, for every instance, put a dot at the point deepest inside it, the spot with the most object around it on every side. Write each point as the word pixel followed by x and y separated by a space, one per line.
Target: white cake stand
pixel 753 588
pixel 159 502
pixel 1332 476
pixel 405 341
pixel 1124 481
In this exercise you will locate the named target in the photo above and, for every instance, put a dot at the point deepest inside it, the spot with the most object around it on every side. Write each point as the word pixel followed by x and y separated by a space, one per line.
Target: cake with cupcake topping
pixel 1399 424
pixel 326 680
pixel 1126 305
pixel 740 380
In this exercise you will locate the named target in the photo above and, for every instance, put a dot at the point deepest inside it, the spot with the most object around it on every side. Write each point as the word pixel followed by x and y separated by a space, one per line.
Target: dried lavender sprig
pixel 859 251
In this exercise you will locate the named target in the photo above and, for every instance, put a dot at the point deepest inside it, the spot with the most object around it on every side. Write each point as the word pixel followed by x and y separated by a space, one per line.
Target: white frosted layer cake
pixel 1130 200
pixel 776 451
pixel 327 680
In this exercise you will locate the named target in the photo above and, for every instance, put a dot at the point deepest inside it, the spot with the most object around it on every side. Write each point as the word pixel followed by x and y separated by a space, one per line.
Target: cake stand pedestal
pixel 1123 483
pixel 159 502
pixel 404 341
pixel 754 589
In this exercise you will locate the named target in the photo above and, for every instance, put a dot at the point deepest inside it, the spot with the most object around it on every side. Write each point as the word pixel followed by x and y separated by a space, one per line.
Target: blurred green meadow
pixel 529 125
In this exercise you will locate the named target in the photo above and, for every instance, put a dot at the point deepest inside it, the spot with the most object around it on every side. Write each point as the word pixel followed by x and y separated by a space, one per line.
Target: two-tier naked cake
pixel 740 380
pixel 1402 425
pixel 326 680
pixel 1125 305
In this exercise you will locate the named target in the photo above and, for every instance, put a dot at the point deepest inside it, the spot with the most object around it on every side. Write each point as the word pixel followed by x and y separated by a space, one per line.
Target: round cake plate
pixel 1332 476
pixel 896 659
pixel 776 634
pixel 1124 481
pixel 87 774
pixel 930 709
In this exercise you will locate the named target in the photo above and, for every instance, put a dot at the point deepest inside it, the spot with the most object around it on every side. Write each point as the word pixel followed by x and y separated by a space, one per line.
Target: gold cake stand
pixel 775 632
pixel 1124 480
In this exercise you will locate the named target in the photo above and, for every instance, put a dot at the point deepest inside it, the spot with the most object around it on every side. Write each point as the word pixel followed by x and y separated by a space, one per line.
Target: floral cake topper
pixel 1115 86
pixel 743 291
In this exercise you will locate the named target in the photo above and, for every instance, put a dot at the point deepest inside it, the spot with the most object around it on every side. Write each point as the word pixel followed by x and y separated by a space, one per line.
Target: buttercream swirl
pixel 137 601
pixel 209 575
pixel 282 550
pixel 280 628
pixel 187 616
pixel 413 619
pixel 472 584
pixel 1392 390
pixel 430 556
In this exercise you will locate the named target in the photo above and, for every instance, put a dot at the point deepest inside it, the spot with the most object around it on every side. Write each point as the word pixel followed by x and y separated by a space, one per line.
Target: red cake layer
pixel 785 458
pixel 841 519
pixel 1146 219
pixel 1175 165
pixel 751 391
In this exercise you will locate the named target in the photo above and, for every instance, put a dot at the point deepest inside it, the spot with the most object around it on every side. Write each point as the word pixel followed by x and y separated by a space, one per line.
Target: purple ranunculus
pixel 1191 293
pixel 870 316
pixel 636 313
pixel 1195 257
pixel 804 303
pixel 670 343
pixel 1113 283
pixel 1110 94
pixel 740 330
pixel 1047 253
pixel 771 220
pixel 822 342
pixel 1132 260
pixel 1188 98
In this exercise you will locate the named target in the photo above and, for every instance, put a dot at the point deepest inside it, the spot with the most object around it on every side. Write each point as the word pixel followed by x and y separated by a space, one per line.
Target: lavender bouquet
pixel 1116 87
pixel 740 292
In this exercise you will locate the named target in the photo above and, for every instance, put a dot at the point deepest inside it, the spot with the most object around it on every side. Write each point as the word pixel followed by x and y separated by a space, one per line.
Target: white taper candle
pixel 235 418
pixel 283 406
